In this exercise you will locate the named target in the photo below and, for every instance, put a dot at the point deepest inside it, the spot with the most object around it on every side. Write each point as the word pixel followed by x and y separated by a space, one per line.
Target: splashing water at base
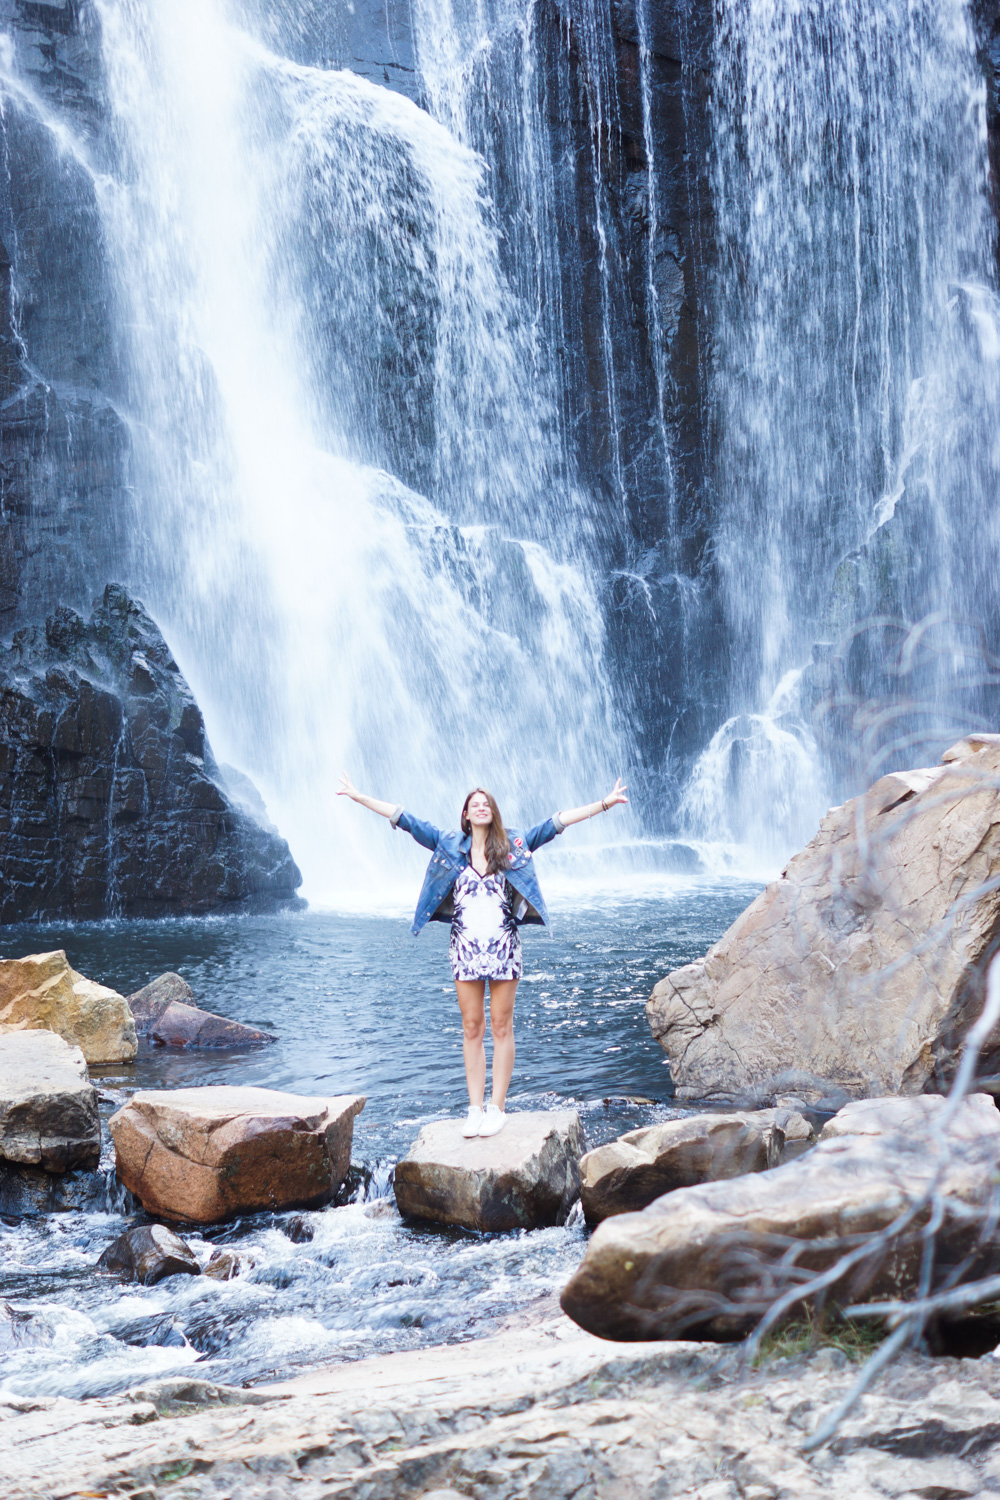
pixel 755 794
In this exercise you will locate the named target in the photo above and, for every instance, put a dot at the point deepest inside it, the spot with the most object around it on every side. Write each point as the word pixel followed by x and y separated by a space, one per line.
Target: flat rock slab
pixel 48 1106
pixel 703 1261
pixel 188 1026
pixel 42 992
pixel 626 1175
pixel 526 1177
pixel 859 971
pixel 207 1154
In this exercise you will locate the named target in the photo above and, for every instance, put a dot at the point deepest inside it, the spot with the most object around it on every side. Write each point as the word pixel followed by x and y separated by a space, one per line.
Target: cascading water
pixel 358 524
pixel 857 372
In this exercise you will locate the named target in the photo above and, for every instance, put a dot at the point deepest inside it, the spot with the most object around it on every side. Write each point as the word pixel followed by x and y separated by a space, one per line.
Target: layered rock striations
pixel 111 802
pixel 859 971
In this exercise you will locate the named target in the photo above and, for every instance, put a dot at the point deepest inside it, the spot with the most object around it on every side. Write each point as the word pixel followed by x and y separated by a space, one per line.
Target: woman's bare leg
pixel 502 995
pixel 471 1002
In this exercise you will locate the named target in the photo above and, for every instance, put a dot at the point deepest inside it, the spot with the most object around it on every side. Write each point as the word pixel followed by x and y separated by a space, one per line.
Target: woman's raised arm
pixel 348 789
pixel 580 814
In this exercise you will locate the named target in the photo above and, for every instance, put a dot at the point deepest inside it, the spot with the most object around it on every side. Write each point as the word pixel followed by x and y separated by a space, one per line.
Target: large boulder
pixel 111 801
pixel 48 1106
pixel 704 1262
pixel 859 971
pixel 42 991
pixel 207 1154
pixel 627 1174
pixel 148 1004
pixel 525 1177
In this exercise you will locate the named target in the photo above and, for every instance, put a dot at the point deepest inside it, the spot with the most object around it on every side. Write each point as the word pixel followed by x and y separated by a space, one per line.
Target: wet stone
pixel 148 1254
pixel 149 1003
pixel 188 1026
pixel 31 1192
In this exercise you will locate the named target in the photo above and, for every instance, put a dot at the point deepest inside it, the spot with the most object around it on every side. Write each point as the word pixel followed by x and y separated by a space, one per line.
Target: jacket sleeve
pixel 544 833
pixel 424 833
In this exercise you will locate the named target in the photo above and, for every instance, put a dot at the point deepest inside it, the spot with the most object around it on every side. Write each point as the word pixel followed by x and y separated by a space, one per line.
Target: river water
pixel 359 1006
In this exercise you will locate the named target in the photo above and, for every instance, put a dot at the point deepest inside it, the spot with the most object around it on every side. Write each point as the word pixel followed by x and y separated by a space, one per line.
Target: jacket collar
pixel 466 843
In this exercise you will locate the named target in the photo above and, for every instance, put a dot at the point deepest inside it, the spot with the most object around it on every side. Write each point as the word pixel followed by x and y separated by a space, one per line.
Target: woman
pixel 482 880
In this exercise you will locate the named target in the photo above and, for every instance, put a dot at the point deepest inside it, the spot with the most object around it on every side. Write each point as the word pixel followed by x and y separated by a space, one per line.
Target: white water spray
pixel 856 380
pixel 317 326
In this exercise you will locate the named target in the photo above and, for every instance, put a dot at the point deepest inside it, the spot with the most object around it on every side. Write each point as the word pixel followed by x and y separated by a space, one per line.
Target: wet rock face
pixel 48 1106
pixel 111 802
pixel 819 985
pixel 526 1177
pixel 699 1262
pixel 205 1155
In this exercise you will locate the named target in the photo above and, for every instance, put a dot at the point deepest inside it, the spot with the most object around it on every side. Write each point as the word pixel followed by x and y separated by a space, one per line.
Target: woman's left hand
pixel 616 795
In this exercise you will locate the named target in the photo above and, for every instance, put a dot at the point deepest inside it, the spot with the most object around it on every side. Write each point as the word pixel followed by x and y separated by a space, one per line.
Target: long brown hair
pixel 497 842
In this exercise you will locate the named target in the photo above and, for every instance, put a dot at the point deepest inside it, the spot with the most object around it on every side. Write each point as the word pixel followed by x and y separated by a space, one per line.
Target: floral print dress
pixel 485 942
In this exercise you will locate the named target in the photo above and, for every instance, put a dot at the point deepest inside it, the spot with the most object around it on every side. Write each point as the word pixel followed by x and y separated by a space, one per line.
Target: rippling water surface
pixel 359 1006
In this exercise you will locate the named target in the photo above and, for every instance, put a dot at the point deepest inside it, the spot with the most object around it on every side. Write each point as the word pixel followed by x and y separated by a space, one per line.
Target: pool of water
pixel 359 1006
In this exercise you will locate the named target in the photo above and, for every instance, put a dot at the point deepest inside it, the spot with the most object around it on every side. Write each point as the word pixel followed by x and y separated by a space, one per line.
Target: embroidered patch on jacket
pixel 518 843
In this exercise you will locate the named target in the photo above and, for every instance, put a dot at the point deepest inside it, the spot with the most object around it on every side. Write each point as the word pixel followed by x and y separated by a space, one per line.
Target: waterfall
pixel 356 518
pixel 854 395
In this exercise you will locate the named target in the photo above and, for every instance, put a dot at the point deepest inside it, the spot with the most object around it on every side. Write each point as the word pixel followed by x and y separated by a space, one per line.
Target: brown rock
pixel 206 1154
pixel 629 1173
pixel 523 1178
pixel 697 1263
pixel 859 971
pixel 225 1265
pixel 48 1106
pixel 41 991
pixel 187 1026
pixel 148 1254
pixel 148 1004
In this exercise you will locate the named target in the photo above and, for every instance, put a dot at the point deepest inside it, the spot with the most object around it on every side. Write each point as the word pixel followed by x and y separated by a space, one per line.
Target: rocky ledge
pixel 543 1412
pixel 111 801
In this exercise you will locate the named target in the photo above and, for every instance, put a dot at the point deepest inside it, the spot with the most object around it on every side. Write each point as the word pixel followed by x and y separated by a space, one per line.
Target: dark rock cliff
pixel 111 802
pixel 63 445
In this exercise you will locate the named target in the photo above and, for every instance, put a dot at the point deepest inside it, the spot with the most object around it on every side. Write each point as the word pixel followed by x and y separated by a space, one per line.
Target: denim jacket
pixel 451 855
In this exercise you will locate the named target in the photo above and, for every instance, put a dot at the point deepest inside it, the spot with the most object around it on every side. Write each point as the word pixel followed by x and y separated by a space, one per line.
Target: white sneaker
pixel 473 1122
pixel 494 1120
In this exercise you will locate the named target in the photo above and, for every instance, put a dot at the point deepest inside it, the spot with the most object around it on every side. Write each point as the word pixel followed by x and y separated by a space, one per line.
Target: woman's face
pixel 479 812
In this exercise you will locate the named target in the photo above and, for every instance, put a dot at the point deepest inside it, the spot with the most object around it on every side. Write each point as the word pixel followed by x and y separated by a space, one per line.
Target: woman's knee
pixel 502 1027
pixel 473 1028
